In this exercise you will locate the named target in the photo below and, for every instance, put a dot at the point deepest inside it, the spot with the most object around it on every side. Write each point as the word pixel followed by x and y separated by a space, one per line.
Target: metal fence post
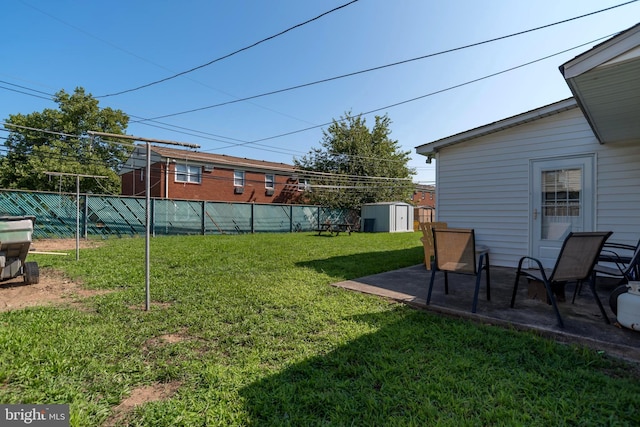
pixel 85 219
pixel 253 214
pixel 204 213
pixel 290 218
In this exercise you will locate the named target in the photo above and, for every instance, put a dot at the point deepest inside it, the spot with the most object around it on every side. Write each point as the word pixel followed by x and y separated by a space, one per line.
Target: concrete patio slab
pixel 583 321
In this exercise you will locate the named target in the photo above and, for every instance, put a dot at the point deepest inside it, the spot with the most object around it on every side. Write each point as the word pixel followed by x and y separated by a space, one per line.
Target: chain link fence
pixel 58 215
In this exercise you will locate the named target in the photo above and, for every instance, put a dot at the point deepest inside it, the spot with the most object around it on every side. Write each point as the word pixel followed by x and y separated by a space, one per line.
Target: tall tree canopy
pixel 357 165
pixel 65 147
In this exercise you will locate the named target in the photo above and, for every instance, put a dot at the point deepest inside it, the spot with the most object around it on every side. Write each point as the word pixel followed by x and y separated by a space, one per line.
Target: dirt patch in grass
pixel 53 286
pixel 140 396
pixel 45 245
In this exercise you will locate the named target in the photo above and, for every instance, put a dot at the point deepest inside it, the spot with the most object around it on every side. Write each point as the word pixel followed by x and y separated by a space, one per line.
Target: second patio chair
pixel 455 251
pixel 427 240
pixel 575 263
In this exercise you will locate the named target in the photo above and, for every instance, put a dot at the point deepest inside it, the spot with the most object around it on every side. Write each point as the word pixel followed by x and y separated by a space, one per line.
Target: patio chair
pixel 575 262
pixel 427 239
pixel 626 259
pixel 617 261
pixel 455 251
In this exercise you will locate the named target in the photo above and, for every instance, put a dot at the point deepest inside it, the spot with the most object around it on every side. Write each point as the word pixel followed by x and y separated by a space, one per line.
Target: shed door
pixel 562 202
pixel 402 215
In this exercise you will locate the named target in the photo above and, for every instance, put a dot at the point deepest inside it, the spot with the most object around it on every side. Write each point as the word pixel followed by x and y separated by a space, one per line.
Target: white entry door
pixel 561 202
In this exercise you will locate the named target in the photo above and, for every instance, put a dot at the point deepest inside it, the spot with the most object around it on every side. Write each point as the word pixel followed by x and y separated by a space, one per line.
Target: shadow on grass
pixel 364 264
pixel 420 369
pixel 365 382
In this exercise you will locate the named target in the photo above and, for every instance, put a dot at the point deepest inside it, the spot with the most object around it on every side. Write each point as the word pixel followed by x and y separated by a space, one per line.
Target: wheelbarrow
pixel 15 240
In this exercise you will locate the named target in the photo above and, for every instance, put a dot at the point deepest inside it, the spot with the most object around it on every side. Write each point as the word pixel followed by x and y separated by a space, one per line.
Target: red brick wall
pixel 133 183
pixel 216 185
pixel 424 198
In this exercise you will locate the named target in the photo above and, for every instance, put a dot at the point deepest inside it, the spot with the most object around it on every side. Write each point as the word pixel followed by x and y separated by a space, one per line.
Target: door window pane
pixel 561 201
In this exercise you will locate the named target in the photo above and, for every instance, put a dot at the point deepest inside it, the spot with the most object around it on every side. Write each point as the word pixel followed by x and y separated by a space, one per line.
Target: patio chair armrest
pixel 543 273
pixel 619 246
pixel 613 257
pixel 537 261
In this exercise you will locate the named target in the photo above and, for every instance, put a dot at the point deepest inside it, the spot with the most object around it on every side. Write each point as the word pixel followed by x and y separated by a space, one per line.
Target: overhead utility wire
pixel 143 120
pixel 140 57
pixel 431 55
pixel 24 93
pixel 25 87
pixel 255 142
pixel 230 54
pixel 428 94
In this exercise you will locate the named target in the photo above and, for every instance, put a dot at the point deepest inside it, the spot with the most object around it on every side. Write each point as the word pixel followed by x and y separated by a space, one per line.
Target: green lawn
pixel 264 340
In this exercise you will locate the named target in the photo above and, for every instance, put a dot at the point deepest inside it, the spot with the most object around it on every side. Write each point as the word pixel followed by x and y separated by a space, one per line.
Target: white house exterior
pixel 524 182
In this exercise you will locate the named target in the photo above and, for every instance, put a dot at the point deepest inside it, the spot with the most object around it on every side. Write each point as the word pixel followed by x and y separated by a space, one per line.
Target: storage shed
pixel 387 217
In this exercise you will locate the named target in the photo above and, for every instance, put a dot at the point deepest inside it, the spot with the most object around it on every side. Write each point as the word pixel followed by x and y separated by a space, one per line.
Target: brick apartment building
pixel 192 175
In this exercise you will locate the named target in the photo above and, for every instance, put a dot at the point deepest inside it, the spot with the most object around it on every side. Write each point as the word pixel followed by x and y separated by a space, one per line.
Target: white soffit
pixel 606 84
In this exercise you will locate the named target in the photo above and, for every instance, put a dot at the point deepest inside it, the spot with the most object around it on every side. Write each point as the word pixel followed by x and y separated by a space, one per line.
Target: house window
pixel 188 173
pixel 269 181
pixel 303 184
pixel 238 178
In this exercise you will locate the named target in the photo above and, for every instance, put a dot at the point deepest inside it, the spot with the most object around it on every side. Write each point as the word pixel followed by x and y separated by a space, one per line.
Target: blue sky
pixel 108 47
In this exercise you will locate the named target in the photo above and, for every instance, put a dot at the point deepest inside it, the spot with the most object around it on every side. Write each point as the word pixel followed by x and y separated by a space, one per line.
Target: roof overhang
pixel 605 81
pixel 431 148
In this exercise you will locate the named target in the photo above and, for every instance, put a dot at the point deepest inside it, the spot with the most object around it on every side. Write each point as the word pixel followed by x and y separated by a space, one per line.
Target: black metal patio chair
pixel 576 261
pixel 455 251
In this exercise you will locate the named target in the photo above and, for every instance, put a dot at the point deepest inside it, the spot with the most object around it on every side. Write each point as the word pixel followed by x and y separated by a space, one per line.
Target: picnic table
pixel 335 228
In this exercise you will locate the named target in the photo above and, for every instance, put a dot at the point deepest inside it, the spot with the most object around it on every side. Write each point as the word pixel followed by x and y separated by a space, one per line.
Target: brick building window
pixel 238 178
pixel 303 184
pixel 269 181
pixel 188 173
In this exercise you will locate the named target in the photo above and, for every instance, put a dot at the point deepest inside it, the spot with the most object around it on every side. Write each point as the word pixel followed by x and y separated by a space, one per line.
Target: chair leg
pixel 515 288
pixel 477 290
pixel 488 278
pixel 592 285
pixel 575 292
pixel 433 276
pixel 552 298
pixel 578 289
pixel 446 283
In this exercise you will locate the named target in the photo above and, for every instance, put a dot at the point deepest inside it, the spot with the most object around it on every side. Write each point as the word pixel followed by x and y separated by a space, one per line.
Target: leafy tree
pixel 65 147
pixel 356 165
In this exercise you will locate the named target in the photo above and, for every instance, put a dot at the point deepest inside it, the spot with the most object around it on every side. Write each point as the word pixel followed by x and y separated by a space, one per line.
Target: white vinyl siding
pixel 484 183
pixel 618 197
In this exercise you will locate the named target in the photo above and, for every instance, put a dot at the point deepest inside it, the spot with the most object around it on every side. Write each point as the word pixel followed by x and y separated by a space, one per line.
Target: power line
pixel 230 54
pixel 393 64
pixel 432 93
pixel 255 142
pixel 24 93
pixel 269 148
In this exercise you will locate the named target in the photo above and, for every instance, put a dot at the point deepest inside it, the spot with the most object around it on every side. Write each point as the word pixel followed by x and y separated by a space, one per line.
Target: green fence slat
pixel 104 215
